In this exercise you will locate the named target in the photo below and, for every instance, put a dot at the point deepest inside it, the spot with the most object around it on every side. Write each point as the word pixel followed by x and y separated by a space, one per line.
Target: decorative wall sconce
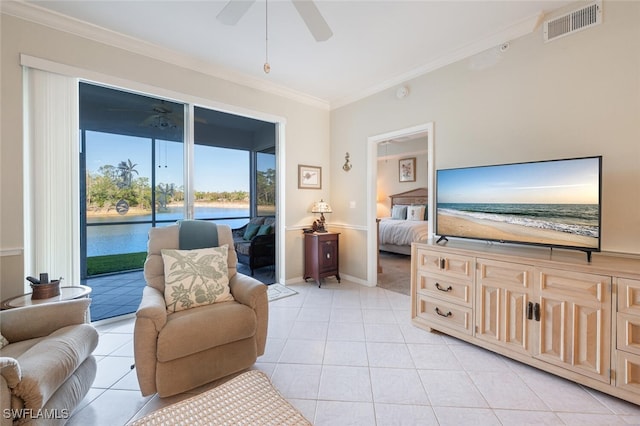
pixel 347 165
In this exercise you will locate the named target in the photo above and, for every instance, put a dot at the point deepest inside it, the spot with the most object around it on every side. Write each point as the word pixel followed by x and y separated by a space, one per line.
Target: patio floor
pixel 120 294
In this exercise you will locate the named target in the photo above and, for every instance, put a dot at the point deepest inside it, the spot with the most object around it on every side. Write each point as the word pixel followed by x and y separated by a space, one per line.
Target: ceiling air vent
pixel 578 20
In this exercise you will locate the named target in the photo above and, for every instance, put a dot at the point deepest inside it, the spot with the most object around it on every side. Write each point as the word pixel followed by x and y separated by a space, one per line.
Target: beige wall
pixel 576 96
pixel 388 182
pixel 306 138
pixel 572 97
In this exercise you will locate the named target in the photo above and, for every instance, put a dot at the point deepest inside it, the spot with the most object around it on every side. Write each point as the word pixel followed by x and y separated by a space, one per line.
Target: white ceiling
pixel 375 44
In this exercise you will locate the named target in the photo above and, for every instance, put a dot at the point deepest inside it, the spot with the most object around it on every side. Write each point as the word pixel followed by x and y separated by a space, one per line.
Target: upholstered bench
pixel 247 399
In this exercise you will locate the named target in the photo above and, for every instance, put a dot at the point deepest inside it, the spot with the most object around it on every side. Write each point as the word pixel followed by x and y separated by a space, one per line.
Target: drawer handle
pixel 530 310
pixel 536 312
pixel 448 314
pixel 442 263
pixel 439 287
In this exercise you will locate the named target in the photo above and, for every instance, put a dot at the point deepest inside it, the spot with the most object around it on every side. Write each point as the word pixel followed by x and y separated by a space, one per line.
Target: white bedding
pixel 402 232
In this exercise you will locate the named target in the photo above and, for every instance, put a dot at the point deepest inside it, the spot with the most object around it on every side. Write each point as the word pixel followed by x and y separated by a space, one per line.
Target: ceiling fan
pixel 161 116
pixel 234 10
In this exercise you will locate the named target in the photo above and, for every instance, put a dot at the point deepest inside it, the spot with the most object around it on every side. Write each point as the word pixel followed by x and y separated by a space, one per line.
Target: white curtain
pixel 51 176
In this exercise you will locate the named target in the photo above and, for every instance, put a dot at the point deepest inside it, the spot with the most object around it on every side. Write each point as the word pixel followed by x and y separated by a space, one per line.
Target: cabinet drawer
pixel 586 288
pixel 628 333
pixel 628 372
pixel 504 274
pixel 444 313
pixel 327 238
pixel 445 288
pixel 629 296
pixel 444 263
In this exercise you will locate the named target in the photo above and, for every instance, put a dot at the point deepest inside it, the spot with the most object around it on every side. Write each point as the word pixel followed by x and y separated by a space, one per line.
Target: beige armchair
pixel 178 351
pixel 47 367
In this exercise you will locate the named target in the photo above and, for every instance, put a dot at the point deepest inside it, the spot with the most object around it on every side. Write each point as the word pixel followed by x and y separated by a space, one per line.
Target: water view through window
pixel 133 172
pixel 221 181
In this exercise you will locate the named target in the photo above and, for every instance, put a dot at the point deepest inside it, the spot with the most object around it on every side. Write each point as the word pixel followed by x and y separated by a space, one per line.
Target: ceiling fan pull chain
pixel 266 67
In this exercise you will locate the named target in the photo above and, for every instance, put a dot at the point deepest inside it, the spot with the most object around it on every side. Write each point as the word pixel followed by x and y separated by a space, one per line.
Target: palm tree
pixel 127 169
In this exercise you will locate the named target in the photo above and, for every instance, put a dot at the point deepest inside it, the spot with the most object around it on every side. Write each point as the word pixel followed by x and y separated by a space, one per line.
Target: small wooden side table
pixel 321 256
pixel 66 293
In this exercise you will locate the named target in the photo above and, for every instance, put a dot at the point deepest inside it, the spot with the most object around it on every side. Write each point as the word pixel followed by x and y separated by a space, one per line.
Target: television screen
pixel 551 203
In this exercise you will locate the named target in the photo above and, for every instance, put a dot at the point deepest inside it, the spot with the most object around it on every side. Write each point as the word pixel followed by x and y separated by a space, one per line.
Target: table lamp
pixel 321 207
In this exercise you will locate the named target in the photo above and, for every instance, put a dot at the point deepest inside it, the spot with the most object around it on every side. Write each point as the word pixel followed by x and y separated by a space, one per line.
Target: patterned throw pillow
pixel 195 277
pixel 415 213
pixel 3 341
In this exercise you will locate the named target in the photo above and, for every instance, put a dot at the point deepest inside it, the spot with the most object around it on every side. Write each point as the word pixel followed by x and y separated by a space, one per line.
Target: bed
pixel 407 222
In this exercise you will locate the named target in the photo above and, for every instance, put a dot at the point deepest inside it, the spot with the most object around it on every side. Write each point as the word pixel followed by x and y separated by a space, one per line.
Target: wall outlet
pixel 352 204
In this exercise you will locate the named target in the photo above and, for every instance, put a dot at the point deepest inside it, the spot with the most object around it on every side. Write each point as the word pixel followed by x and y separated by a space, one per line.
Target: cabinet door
pixel 628 316
pixel 575 325
pixel 328 251
pixel 503 295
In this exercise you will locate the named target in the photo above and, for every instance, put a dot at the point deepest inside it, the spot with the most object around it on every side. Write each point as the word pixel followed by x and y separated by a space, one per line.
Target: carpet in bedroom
pixel 396 272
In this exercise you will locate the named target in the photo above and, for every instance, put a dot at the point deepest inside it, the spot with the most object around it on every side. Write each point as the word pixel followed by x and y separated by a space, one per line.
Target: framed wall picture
pixel 407 169
pixel 309 177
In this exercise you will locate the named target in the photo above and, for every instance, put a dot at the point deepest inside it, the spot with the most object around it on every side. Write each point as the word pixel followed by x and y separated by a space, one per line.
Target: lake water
pixel 132 238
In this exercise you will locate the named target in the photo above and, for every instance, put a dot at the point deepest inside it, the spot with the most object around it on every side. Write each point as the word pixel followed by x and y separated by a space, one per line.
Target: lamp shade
pixel 321 207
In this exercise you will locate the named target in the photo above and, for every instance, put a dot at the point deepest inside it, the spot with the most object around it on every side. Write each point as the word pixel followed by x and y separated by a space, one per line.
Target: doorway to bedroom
pixel 404 173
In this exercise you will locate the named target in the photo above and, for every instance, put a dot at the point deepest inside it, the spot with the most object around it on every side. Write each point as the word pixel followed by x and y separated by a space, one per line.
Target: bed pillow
pixel 195 277
pixel 399 212
pixel 415 213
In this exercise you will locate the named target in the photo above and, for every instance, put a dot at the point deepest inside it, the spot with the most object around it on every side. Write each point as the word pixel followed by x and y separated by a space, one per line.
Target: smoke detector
pixel 402 92
pixel 578 20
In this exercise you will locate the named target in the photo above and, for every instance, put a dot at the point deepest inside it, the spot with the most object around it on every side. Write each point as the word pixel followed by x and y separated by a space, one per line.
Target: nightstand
pixel 321 255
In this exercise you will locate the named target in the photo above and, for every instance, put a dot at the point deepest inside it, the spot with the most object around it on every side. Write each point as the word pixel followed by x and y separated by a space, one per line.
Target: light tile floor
pixel 348 355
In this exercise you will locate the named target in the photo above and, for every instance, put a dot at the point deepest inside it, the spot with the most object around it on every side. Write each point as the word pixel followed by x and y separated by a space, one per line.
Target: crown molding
pixel 519 29
pixel 39 15
pixel 57 21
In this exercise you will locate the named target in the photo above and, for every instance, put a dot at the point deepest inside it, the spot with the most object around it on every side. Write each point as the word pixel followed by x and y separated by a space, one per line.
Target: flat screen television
pixel 555 203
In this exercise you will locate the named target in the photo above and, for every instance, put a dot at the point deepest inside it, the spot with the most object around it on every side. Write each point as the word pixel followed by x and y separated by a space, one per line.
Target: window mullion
pixel 189 191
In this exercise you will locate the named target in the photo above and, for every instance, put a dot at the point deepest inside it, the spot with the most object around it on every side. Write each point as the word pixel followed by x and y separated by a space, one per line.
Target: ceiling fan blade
pixel 314 20
pixel 233 11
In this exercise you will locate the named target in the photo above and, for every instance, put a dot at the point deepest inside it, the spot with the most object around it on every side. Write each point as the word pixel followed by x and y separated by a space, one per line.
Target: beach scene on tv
pixel 551 203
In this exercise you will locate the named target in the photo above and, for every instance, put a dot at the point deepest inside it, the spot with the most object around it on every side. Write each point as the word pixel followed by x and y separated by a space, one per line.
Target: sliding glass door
pixel 266 182
pixel 132 171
